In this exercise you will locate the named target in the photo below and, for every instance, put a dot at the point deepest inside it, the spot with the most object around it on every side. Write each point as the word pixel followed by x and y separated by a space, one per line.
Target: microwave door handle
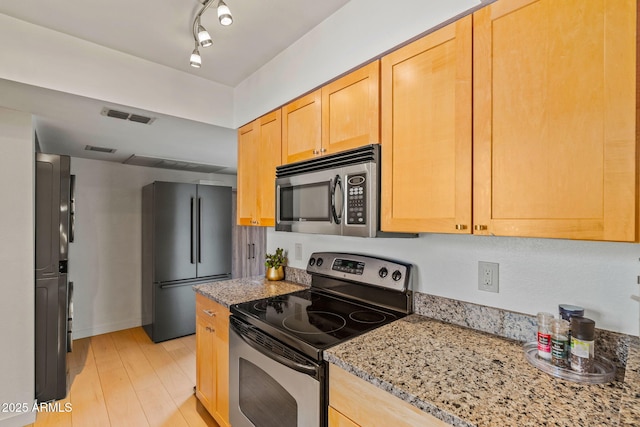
pixel 337 183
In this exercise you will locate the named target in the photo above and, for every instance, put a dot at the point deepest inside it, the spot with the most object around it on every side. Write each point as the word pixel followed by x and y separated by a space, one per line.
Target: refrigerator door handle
pixel 193 261
pixel 199 230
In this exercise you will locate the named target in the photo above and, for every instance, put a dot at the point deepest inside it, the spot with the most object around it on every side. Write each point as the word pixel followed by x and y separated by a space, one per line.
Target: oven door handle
pixel 336 183
pixel 308 369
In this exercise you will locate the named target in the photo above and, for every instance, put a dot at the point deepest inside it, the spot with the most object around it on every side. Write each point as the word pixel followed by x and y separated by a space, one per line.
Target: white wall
pixel 534 274
pixel 356 33
pixel 105 259
pixel 16 262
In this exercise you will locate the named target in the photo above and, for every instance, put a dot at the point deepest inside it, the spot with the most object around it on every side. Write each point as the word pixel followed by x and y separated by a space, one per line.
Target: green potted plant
pixel 274 263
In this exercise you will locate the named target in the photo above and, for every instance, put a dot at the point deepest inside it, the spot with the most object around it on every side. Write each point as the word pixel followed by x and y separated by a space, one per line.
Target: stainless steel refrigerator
pixel 186 240
pixel 53 291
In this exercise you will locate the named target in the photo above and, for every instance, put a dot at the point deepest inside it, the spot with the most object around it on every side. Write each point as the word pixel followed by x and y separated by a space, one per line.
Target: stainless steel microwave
pixel 337 194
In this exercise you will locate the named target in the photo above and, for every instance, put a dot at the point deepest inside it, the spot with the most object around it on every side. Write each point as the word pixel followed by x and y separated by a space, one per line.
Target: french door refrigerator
pixel 186 240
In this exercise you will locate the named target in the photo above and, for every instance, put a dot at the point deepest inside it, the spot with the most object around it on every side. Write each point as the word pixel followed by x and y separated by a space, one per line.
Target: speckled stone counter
pixel 470 378
pixel 229 292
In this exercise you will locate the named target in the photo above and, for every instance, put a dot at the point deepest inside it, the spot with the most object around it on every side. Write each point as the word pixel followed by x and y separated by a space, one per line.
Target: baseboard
pixel 19 420
pixel 106 328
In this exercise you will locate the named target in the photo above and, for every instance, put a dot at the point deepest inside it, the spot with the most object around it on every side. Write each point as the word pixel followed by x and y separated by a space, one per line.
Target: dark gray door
pixel 214 237
pixel 174 236
pixel 50 338
pixel 174 311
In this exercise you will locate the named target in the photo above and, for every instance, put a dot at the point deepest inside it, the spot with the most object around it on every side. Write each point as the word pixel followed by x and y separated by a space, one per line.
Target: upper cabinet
pixel 554 134
pixel 426 133
pixel 351 110
pixel 259 152
pixel 343 114
pixel 301 129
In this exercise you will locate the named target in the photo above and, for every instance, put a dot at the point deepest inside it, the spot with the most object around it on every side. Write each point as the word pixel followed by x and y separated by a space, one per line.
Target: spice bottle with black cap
pixel 582 347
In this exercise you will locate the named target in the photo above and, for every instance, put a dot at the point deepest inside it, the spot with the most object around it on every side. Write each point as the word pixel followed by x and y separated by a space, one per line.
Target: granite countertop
pixel 470 378
pixel 229 292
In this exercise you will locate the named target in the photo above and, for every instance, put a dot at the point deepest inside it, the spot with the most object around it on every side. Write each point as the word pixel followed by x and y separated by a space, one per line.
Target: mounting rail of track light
pixel 201 35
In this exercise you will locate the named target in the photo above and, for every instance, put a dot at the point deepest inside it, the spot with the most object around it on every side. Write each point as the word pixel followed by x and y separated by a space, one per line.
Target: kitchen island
pixel 469 378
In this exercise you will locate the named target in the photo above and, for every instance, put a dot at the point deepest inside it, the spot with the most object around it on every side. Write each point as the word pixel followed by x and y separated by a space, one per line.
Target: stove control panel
pixel 370 270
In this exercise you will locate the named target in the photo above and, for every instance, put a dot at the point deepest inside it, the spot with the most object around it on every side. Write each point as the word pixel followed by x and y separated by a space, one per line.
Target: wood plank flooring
pixel 124 379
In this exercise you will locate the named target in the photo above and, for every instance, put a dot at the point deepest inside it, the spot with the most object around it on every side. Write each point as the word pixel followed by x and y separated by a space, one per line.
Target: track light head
pixel 224 14
pixel 196 60
pixel 204 39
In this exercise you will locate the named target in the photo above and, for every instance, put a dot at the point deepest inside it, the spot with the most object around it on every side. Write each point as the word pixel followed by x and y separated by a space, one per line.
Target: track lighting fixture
pixel 201 36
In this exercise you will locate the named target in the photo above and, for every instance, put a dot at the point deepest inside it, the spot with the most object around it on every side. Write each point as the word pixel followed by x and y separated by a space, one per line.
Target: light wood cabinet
pixel 301 128
pixel 555 150
pixel 351 110
pixel 259 152
pixel 426 133
pixel 212 358
pixel 343 114
pixel 354 402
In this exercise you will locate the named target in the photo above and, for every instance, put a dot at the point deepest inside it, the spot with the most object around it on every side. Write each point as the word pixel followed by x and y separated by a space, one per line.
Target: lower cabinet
pixel 212 358
pixel 354 402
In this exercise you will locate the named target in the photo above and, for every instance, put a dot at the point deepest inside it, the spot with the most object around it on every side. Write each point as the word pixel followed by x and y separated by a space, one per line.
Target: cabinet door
pixel 205 358
pixel 270 154
pixel 426 133
pixel 222 366
pixel 351 110
pixel 554 119
pixel 248 140
pixel 336 419
pixel 301 128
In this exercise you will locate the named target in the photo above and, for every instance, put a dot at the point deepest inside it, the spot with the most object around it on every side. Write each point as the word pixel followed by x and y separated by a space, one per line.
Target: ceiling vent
pixel 127 116
pixel 100 149
pixel 155 162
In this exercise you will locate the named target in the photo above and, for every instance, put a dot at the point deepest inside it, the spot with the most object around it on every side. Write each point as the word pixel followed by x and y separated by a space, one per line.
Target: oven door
pixel 267 389
pixel 310 202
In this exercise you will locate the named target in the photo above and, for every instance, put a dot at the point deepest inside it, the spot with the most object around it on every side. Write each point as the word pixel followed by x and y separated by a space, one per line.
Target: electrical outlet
pixel 488 276
pixel 298 252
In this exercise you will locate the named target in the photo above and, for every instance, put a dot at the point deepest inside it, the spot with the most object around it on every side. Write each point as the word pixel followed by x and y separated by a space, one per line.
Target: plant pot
pixel 275 273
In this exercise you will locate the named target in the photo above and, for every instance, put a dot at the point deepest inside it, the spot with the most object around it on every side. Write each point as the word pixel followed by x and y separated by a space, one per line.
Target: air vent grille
pixel 100 149
pixel 116 114
pixel 155 162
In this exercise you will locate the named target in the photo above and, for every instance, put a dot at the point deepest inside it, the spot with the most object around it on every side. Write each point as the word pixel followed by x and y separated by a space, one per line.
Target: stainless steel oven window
pixel 265 392
pixel 260 394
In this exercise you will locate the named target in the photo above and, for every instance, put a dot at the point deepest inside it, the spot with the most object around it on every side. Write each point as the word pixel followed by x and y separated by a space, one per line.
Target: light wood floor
pixel 124 379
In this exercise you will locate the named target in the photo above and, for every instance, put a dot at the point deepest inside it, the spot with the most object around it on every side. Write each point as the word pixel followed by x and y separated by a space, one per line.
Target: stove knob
pixel 396 275
pixel 319 262
pixel 312 261
pixel 383 272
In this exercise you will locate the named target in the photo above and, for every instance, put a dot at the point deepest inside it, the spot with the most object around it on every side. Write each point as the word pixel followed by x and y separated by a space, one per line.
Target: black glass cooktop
pixel 312 320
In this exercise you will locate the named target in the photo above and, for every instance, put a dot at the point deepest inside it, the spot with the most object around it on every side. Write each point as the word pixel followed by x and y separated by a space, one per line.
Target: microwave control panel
pixel 356 190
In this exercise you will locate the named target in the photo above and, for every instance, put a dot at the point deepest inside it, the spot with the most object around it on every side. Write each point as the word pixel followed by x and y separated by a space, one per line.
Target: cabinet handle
pixel 461 227
pixel 324 150
pixel 210 329
pixel 210 313
pixel 480 227
pixel 316 152
pixel 253 245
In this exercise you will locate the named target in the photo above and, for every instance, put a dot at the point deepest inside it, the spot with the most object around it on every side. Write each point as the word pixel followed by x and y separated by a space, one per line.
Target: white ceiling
pixel 160 32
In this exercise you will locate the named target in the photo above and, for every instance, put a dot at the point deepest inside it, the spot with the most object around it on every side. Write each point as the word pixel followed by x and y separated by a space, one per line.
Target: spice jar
pixel 559 342
pixel 544 335
pixel 582 348
pixel 567 311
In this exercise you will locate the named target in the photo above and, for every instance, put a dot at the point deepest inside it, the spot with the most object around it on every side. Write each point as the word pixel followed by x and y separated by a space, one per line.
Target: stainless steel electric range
pixel 277 374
